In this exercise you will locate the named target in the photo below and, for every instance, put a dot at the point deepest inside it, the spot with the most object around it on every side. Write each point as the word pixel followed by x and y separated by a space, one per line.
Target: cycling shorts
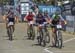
pixel 30 22
pixel 10 23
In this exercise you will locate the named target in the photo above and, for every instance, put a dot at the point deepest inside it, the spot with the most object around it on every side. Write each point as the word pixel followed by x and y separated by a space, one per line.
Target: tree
pixel 49 2
pixel 4 2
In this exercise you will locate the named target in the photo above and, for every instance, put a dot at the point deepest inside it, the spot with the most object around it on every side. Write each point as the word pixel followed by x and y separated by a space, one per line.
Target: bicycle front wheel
pixel 33 34
pixel 47 37
pixel 59 38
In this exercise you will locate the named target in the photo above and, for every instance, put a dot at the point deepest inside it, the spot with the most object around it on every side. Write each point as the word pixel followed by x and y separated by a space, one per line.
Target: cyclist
pixel 10 19
pixel 56 19
pixel 36 9
pixel 29 18
pixel 40 20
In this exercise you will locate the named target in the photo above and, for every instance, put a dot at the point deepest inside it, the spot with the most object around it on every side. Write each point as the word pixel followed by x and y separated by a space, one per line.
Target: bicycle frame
pixel 43 34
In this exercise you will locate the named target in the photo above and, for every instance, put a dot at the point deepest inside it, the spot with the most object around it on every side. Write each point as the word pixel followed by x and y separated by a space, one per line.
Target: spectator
pixel 36 9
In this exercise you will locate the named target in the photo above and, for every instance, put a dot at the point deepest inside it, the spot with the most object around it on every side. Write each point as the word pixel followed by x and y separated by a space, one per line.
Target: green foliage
pixel 50 2
pixel 4 2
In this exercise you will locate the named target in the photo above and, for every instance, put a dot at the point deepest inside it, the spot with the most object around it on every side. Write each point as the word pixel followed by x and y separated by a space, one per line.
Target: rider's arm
pixel 53 16
pixel 62 19
pixel 25 18
pixel 16 19
pixel 47 20
pixel 5 17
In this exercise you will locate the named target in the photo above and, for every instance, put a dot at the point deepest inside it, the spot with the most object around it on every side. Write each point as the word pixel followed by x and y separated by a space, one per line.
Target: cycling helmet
pixel 56 16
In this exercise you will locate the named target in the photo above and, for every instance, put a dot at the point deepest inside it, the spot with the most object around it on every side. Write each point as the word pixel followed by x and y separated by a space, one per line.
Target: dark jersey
pixel 55 22
pixel 40 20
pixel 11 18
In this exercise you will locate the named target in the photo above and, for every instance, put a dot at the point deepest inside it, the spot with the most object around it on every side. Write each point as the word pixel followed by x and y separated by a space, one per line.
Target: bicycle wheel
pixel 33 34
pixel 47 37
pixel 44 43
pixel 59 39
pixel 39 38
pixel 44 38
pixel 10 33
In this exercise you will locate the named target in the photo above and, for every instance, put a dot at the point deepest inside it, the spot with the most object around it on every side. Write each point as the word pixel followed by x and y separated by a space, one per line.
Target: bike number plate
pixel 59 26
pixel 41 25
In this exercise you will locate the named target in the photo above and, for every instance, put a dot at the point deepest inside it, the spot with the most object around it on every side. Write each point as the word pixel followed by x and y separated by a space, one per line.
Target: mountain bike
pixel 58 35
pixel 31 32
pixel 44 36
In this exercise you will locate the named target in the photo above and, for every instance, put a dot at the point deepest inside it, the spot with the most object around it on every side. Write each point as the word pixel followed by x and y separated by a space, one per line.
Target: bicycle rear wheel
pixel 44 37
pixel 10 33
pixel 47 37
pixel 39 38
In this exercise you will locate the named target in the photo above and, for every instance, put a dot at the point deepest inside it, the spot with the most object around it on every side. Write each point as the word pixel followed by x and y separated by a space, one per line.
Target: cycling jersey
pixel 11 18
pixel 29 17
pixel 40 19
pixel 56 20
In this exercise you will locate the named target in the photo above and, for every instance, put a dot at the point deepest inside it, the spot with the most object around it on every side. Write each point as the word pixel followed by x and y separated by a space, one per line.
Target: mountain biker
pixel 40 20
pixel 29 18
pixel 10 19
pixel 56 19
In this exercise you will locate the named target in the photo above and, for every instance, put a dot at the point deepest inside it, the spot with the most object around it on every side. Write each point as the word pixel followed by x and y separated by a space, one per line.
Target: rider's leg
pixel 28 26
pixel 13 27
pixel 53 36
pixel 7 27
pixel 38 30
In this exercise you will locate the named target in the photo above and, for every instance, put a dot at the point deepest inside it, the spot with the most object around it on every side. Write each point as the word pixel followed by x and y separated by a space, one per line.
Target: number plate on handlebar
pixel 59 26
